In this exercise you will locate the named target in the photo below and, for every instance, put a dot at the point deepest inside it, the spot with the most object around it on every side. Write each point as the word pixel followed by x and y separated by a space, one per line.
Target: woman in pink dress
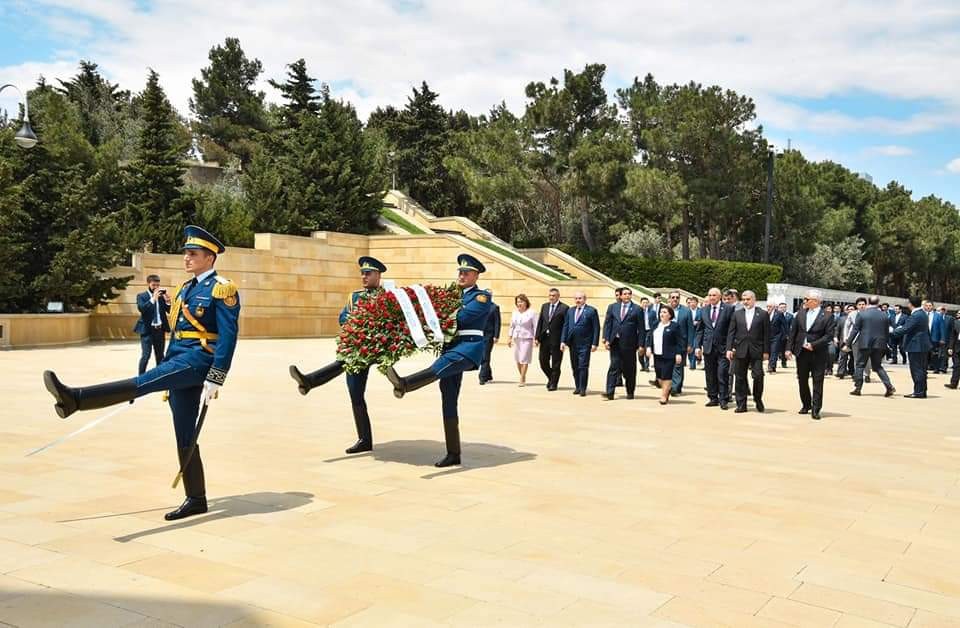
pixel 523 324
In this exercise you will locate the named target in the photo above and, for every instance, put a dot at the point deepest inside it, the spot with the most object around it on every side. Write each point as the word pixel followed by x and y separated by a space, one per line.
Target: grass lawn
pixel 401 222
pixel 520 259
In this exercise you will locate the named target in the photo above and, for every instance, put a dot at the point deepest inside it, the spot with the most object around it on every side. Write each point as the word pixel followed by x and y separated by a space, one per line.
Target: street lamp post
pixel 771 156
pixel 25 137
pixel 393 168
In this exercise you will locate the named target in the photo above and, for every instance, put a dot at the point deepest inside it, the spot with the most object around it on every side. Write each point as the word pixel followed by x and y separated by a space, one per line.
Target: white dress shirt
pixel 748 314
pixel 658 339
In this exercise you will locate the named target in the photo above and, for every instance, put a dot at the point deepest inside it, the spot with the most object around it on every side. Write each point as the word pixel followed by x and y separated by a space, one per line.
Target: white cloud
pixel 890 150
pixel 476 54
pixel 954 166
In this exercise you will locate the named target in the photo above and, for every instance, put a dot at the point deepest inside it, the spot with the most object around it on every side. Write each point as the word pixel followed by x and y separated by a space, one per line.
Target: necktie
pixel 553 307
pixel 713 315
pixel 623 310
pixel 156 320
pixel 577 317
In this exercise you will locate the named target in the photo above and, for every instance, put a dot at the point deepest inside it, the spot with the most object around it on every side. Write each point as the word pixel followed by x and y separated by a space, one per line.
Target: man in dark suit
pixel 777 333
pixel 953 350
pixel 693 303
pixel 945 322
pixel 896 342
pixel 935 329
pixel 810 335
pixel 491 336
pixel 787 324
pixel 868 338
pixel 581 333
pixel 917 344
pixel 748 345
pixel 152 324
pixel 711 344
pixel 622 335
pixel 548 337
pixel 643 358
pixel 684 319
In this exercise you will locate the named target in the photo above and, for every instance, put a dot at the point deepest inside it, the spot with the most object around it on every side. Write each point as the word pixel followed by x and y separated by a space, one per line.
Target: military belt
pixel 194 335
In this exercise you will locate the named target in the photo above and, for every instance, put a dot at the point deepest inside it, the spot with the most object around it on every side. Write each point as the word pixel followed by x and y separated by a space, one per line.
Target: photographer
pixel 154 306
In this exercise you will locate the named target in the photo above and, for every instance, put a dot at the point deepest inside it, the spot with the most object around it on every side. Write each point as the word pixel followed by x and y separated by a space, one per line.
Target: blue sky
pixel 869 83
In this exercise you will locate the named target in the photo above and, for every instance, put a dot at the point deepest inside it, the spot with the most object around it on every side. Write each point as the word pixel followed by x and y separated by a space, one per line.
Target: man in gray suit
pixel 870 332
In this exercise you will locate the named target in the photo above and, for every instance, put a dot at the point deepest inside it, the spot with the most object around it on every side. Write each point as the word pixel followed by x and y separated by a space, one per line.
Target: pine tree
pixel 156 206
pixel 299 93
pixel 229 113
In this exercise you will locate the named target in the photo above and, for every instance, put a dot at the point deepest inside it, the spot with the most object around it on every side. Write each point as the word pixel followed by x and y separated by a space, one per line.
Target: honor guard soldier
pixel 464 353
pixel 204 319
pixel 370 271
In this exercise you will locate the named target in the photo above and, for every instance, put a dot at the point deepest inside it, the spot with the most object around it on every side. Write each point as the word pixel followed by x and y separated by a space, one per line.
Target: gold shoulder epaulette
pixel 224 288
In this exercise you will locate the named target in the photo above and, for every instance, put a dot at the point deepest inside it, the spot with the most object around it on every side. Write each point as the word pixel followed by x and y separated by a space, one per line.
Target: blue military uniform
pixel 204 320
pixel 356 382
pixel 463 354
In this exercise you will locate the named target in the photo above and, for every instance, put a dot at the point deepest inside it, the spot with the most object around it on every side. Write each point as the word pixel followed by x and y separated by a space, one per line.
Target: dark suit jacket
pixel 821 332
pixel 148 314
pixel 778 325
pixel 684 319
pixel 630 330
pixel 492 328
pixel 936 330
pixel 713 336
pixel 674 341
pixel 586 330
pixel 749 343
pixel 652 316
pixel 916 335
pixel 549 330
pixel 954 341
pixel 870 330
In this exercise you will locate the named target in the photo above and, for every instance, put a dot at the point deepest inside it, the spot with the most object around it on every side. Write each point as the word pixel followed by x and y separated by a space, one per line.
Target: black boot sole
pixel 359 448
pixel 298 377
pixel 448 461
pixel 60 393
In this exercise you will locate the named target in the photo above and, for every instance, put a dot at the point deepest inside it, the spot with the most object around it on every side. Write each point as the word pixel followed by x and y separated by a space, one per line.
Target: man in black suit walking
pixel 916 342
pixel 810 335
pixel 748 345
pixel 869 336
pixel 547 337
pixel 778 330
pixel 712 345
pixel 622 335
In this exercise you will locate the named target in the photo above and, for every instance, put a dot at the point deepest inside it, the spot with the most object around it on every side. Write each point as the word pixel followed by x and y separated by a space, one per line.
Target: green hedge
pixel 401 222
pixel 696 276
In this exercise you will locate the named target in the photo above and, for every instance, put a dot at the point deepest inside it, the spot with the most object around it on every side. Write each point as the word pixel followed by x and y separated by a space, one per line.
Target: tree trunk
pixel 702 241
pixel 669 234
pixel 714 242
pixel 585 226
pixel 685 234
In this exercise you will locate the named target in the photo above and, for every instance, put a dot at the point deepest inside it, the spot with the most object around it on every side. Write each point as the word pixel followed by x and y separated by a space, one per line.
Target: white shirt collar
pixel 204 275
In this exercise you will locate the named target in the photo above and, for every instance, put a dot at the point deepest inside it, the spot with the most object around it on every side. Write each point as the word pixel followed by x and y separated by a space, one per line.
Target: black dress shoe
pixel 449 460
pixel 360 446
pixel 190 506
pixel 760 406
pixel 890 392
pixel 804 410
pixel 482 382
pixel 855 392
pixel 629 395
pixel 583 393
pixel 815 415
pixel 951 386
pixel 712 404
pixel 724 405
pixel 915 396
pixel 608 396
pixel 740 409
pixel 576 391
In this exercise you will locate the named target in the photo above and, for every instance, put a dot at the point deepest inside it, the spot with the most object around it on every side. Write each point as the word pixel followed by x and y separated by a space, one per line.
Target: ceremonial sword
pixel 193 445
pixel 86 427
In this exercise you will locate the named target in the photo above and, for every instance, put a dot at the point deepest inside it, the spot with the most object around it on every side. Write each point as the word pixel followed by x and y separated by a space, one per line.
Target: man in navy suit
pixel 623 333
pixel 946 326
pixel 689 334
pixel 643 358
pixel 787 323
pixel 935 328
pixel 711 345
pixel 694 304
pixel 777 333
pixel 491 336
pixel 152 323
pixel 581 334
pixel 917 344
pixel 896 342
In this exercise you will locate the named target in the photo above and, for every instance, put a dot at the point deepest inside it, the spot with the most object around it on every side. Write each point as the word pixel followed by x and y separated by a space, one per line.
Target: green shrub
pixel 696 276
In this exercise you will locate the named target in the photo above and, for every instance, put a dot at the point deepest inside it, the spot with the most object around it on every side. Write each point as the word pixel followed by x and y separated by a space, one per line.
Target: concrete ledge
pixel 25 331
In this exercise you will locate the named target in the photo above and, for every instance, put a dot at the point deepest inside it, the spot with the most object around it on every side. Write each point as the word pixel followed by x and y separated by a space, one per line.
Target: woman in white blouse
pixel 523 324
pixel 667 347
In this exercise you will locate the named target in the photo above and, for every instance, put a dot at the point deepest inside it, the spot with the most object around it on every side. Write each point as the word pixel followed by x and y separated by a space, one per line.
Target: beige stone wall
pixel 294 287
pixel 24 331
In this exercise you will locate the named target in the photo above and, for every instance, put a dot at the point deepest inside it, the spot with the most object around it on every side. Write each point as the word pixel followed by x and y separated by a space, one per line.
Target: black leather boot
pixel 194 486
pixel 308 381
pixel 403 385
pixel 451 433
pixel 364 432
pixel 69 400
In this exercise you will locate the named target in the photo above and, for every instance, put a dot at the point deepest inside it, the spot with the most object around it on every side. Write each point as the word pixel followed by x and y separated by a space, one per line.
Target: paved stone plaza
pixel 567 511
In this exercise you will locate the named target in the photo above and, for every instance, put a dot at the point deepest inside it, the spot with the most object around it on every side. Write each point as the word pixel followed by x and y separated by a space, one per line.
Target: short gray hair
pixel 753 295
pixel 814 294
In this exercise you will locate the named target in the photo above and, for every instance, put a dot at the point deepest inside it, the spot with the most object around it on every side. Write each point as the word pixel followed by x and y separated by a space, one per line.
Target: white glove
pixel 210 391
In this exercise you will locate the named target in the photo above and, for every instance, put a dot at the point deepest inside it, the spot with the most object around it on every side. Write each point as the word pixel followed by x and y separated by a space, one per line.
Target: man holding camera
pixel 154 307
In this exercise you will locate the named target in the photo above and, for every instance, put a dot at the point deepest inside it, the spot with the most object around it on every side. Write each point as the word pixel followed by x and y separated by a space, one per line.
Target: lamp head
pixel 25 137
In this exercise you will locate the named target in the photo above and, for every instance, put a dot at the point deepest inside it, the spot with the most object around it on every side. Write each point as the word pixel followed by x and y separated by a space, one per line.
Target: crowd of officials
pixel 734 341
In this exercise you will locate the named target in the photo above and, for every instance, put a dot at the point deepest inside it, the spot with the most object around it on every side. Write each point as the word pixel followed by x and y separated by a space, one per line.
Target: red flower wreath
pixel 376 332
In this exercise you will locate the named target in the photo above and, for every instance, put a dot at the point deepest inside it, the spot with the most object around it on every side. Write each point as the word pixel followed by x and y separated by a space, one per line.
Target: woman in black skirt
pixel 665 342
